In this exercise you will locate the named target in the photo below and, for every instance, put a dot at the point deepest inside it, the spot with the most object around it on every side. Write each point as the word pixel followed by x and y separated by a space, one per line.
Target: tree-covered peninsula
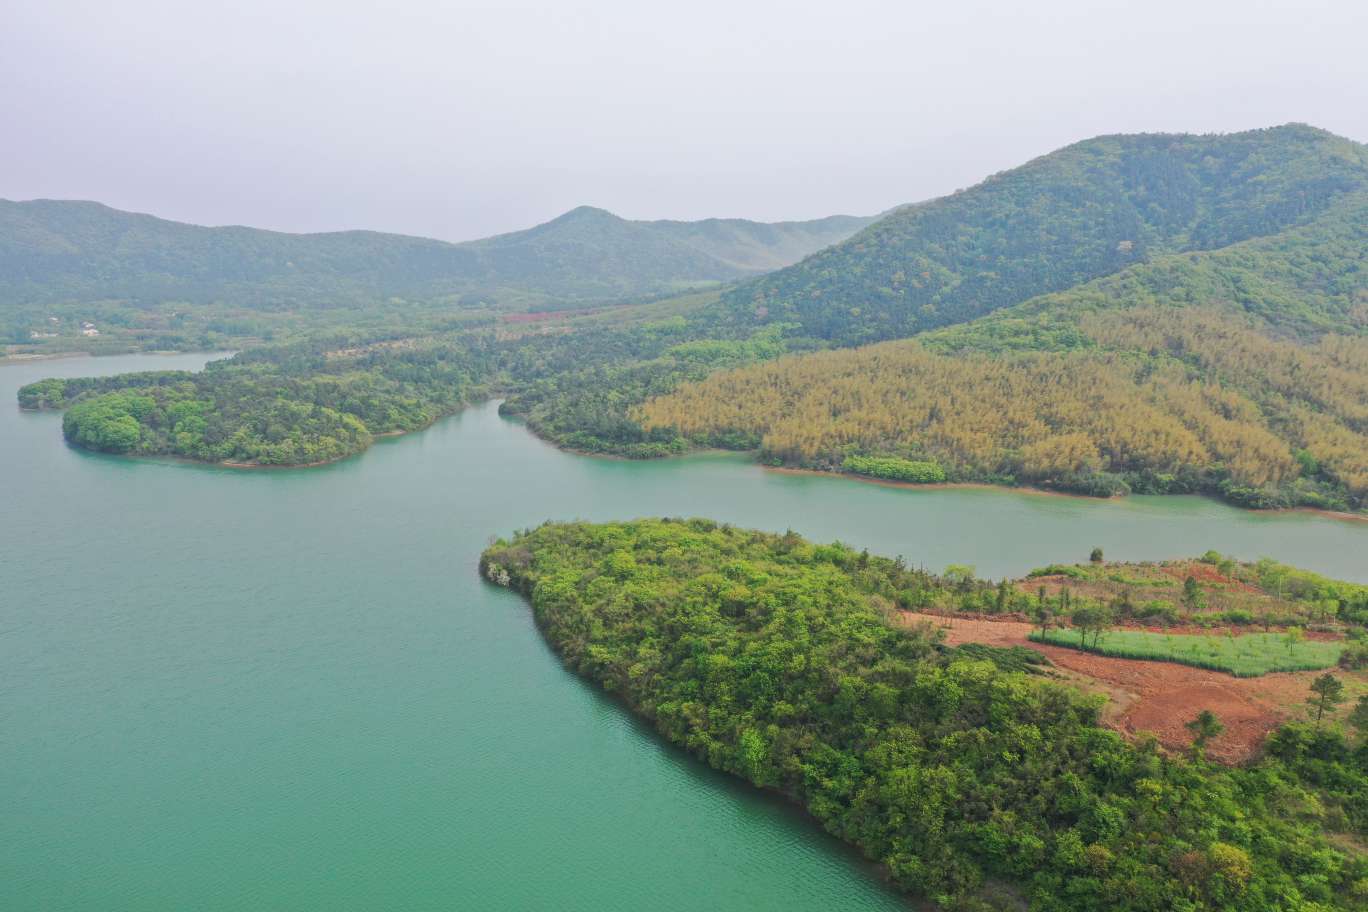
pixel 273 407
pixel 975 780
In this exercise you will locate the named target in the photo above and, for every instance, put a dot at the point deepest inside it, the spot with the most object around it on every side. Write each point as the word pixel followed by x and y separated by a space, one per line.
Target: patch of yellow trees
pixel 1158 388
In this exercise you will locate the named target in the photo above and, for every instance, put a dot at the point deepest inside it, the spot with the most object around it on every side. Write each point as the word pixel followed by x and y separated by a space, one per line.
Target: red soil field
pixel 1158 697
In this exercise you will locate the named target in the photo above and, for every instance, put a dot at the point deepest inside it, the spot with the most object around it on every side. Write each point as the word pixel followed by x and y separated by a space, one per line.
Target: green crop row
pixel 1246 656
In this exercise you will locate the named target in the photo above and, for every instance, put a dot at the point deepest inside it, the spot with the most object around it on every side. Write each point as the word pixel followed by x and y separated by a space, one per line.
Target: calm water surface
pixel 238 690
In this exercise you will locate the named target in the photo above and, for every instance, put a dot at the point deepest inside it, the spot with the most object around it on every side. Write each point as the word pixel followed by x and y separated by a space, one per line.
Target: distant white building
pixel 90 331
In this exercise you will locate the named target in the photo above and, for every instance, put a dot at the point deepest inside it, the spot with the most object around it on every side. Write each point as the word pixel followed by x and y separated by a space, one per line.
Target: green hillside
pixel 1083 212
pixel 1303 282
pixel 1240 372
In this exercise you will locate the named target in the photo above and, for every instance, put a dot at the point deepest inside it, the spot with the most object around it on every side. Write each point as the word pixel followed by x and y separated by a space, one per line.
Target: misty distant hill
pixel 62 252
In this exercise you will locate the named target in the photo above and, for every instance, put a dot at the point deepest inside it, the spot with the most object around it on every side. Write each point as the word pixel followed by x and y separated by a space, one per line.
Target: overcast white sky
pixel 461 119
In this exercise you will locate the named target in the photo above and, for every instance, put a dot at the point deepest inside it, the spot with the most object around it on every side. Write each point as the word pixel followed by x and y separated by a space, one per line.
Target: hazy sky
pixel 460 119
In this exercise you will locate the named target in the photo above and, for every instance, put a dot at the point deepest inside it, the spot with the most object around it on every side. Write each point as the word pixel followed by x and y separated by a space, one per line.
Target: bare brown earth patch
pixel 1158 697
pixel 1205 574
pixel 542 316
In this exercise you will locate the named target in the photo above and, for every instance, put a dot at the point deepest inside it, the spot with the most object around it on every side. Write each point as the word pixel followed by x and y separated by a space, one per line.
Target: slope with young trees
pixel 1152 399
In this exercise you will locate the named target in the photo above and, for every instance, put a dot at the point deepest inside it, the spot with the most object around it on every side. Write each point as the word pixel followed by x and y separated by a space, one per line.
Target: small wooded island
pixel 969 771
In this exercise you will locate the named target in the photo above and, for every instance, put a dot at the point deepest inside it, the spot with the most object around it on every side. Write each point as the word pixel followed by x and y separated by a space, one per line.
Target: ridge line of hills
pixel 55 251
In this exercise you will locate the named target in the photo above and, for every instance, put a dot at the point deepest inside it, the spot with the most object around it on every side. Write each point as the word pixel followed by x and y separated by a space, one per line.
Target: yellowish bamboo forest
pixel 1155 390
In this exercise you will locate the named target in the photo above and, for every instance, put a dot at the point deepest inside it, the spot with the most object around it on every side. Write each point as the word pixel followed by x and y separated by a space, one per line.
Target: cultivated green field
pixel 1246 656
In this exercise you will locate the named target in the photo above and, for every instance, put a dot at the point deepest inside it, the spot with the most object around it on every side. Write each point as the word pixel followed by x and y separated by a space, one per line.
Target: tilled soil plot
pixel 1158 697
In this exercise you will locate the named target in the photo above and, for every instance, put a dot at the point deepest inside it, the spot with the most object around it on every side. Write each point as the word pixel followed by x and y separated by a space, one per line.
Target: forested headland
pixel 967 772
pixel 271 407
pixel 320 400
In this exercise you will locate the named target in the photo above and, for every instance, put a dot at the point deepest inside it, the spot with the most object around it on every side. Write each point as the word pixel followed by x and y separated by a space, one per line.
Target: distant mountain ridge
pixel 614 253
pixel 54 251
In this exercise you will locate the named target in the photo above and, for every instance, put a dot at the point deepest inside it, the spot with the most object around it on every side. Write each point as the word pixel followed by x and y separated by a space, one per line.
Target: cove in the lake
pixel 227 690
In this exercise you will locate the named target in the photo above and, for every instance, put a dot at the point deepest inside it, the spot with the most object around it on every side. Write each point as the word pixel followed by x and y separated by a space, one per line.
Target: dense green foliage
pixel 1323 758
pixel 146 282
pixel 1302 282
pixel 1245 656
pixel 775 659
pixel 1202 371
pixel 894 469
pixel 578 391
pixel 1088 210
pixel 1224 355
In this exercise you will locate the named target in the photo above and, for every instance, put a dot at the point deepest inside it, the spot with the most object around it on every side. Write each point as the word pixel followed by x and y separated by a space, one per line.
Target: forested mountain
pixel 1300 283
pixel 1085 211
pixel 63 253
pixel 1240 371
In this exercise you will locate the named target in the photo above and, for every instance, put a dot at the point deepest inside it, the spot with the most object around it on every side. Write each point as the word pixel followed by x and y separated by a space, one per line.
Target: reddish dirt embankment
pixel 1158 697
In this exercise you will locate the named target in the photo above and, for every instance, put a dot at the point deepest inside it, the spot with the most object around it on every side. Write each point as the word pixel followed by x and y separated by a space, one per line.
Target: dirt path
pixel 1158 697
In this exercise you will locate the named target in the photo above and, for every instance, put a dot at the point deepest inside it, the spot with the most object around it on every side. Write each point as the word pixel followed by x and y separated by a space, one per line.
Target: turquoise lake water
pixel 288 689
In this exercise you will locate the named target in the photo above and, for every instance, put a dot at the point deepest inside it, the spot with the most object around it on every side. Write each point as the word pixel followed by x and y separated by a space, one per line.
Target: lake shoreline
pixel 498 399
pixel 335 614
pixel 792 802
pixel 32 357
pixel 1032 490
pixel 1340 515
pixel 933 486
